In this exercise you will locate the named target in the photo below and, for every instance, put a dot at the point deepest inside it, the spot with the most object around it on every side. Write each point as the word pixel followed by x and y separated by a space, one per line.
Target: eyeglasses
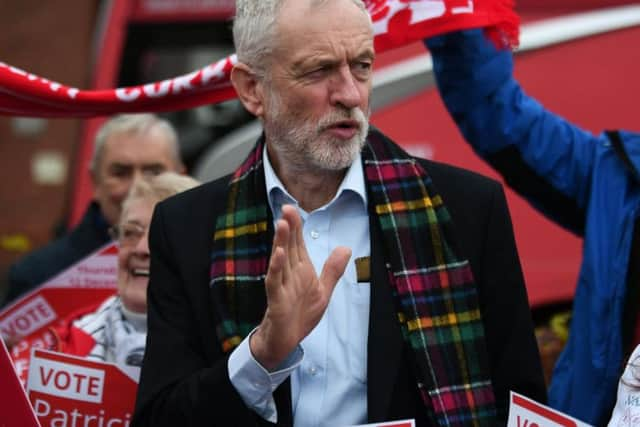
pixel 127 234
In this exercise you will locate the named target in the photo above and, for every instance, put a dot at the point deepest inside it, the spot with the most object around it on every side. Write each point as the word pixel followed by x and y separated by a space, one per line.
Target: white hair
pixel 133 124
pixel 159 187
pixel 254 30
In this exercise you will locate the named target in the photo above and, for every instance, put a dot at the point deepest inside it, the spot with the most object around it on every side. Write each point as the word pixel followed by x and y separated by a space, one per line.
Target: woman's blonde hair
pixel 159 187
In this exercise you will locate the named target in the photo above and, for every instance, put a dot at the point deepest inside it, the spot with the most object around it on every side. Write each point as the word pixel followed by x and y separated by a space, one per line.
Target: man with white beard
pixel 332 279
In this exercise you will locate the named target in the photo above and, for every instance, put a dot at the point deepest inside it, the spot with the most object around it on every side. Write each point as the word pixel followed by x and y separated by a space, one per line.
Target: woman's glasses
pixel 127 234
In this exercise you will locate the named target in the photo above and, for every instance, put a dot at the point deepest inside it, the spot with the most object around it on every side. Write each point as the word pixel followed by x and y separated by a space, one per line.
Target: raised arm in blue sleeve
pixel 589 184
pixel 539 154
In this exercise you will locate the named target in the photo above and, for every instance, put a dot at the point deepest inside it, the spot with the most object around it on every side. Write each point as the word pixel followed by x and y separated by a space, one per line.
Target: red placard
pixel 87 282
pixel 72 391
pixel 15 409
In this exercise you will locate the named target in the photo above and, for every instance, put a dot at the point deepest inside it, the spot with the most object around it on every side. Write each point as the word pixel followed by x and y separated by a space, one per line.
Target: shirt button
pixel 314 234
pixel 313 371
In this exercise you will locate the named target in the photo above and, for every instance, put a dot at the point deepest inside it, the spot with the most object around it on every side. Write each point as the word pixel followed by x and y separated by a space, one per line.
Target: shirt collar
pixel 278 195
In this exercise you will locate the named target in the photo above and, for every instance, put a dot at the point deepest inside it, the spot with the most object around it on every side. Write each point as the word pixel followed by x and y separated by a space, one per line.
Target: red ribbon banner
pixel 395 23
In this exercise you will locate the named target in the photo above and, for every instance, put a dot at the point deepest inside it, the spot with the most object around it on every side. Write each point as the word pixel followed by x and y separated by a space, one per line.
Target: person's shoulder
pixel 635 356
pixel 93 315
pixel 631 141
pixel 470 198
pixel 452 182
pixel 197 204
pixel 630 136
pixel 196 196
pixel 445 175
pixel 42 263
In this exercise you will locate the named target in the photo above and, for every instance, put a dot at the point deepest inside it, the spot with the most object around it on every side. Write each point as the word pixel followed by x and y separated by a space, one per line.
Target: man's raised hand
pixel 296 297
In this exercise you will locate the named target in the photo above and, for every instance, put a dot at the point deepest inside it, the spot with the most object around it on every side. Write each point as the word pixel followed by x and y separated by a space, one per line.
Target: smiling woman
pixel 131 234
pixel 116 330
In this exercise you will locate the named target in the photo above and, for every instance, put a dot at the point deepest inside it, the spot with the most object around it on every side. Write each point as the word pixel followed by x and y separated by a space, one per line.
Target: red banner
pixel 395 22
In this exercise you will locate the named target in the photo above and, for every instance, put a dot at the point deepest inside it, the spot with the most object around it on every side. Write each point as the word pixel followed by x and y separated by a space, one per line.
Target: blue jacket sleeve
pixel 543 157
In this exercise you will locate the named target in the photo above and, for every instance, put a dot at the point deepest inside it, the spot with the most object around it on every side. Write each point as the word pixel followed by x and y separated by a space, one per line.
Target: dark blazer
pixel 44 263
pixel 184 378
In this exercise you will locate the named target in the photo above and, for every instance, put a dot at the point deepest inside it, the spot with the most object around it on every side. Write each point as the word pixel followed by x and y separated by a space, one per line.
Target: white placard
pixel 66 380
pixel 525 412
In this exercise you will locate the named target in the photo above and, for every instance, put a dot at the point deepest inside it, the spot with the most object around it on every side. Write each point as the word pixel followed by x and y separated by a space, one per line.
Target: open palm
pixel 296 297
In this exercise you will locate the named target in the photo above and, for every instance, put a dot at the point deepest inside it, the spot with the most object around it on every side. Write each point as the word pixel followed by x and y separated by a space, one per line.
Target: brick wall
pixel 52 39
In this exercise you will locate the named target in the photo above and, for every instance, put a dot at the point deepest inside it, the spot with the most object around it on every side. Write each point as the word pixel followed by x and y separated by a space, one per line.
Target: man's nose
pixel 138 174
pixel 346 89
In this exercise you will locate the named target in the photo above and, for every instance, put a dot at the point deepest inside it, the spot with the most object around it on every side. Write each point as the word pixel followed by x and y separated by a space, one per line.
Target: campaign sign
pixel 403 423
pixel 71 391
pixel 15 409
pixel 87 282
pixel 525 412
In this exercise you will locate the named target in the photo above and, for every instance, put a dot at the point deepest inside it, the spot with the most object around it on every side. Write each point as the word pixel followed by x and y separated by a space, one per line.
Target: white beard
pixel 304 144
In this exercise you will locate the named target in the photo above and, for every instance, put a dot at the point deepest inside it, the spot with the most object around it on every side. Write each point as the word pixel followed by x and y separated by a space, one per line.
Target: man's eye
pixel 318 72
pixel 120 172
pixel 154 170
pixel 362 68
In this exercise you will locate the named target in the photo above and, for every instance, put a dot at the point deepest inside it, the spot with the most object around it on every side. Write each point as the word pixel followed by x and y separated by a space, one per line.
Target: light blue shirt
pixel 328 370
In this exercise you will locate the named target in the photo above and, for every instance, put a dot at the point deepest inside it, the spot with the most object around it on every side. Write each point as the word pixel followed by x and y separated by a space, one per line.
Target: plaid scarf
pixel 433 286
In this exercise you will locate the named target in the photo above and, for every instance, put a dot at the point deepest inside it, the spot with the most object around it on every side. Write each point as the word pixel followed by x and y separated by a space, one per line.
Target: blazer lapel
pixel 384 348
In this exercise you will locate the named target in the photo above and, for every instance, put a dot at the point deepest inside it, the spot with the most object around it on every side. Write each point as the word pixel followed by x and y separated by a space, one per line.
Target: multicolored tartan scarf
pixel 432 285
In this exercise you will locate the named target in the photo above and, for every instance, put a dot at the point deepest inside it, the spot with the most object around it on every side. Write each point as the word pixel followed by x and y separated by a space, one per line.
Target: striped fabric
pixel 433 286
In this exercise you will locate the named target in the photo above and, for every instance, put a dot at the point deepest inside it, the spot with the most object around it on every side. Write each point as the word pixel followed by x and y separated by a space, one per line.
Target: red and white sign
pixel 403 423
pixel 72 391
pixel 67 380
pixel 15 409
pixel 32 315
pixel 87 282
pixel 525 412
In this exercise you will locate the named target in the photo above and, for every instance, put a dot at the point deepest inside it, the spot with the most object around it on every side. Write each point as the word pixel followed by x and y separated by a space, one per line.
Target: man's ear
pixel 248 88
